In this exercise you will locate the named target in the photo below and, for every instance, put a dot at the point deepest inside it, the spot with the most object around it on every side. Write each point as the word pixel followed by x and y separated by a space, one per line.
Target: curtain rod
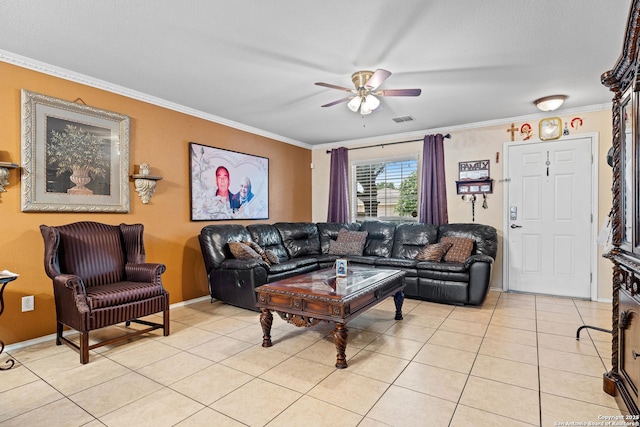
pixel 448 136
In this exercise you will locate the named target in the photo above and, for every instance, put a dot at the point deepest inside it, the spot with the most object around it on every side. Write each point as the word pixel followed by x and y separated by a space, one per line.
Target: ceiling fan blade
pixel 377 78
pixel 334 86
pixel 339 101
pixel 399 92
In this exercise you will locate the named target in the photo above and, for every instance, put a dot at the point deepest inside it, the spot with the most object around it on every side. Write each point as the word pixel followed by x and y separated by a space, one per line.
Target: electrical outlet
pixel 27 303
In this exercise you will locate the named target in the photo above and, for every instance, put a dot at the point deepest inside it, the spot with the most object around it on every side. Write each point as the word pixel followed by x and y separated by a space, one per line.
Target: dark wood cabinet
pixel 629 344
pixel 623 79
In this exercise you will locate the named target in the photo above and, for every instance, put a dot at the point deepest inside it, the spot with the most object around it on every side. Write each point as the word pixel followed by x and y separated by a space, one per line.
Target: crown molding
pixel 41 67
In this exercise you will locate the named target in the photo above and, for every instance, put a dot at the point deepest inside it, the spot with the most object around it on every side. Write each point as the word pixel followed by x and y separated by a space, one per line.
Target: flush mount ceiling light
pixel 550 103
pixel 365 95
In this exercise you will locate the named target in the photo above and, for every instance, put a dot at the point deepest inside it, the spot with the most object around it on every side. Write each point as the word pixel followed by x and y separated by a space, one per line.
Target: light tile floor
pixel 513 361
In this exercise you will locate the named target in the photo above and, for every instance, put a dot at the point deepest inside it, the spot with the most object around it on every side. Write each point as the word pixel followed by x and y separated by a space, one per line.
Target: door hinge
pixel 591 218
pixel 590 277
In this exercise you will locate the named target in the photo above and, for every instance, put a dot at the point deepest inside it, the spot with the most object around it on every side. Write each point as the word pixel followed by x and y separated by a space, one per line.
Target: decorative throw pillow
pixel 345 248
pixel 461 249
pixel 272 257
pixel 241 251
pixel 256 247
pixel 345 235
pixel 433 252
pixel 348 242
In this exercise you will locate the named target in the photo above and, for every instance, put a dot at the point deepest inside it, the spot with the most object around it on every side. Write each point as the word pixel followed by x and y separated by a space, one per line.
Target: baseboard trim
pixel 52 336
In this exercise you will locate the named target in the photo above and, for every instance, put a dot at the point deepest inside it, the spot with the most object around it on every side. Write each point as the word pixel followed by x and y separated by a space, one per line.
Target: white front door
pixel 549 217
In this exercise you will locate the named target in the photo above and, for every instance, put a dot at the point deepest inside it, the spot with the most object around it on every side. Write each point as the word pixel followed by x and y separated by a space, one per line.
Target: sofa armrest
pixel 477 258
pixel 479 281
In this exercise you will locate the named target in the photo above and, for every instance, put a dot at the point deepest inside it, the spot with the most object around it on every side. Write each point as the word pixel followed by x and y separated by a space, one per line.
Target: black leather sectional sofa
pixel 303 246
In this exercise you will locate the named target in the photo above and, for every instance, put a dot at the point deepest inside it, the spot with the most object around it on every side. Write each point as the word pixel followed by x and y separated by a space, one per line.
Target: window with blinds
pixel 385 190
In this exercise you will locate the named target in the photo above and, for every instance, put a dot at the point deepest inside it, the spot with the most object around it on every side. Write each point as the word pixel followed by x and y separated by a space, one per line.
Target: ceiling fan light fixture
pixel 365 108
pixel 354 104
pixel 364 98
pixel 550 103
pixel 371 102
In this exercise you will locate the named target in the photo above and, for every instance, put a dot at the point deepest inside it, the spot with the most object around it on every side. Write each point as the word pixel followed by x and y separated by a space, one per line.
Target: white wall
pixel 479 143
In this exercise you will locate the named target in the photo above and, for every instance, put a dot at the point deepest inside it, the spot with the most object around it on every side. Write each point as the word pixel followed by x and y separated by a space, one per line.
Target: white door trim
pixel 594 208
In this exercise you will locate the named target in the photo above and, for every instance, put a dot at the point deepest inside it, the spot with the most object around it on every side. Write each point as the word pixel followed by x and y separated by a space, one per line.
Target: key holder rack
pixel 473 178
pixel 474 182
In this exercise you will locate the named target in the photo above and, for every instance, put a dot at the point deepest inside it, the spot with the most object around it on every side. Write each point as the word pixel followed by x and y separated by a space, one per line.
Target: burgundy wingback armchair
pixel 100 278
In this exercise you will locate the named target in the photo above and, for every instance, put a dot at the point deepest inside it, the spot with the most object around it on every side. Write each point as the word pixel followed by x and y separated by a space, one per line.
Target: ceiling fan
pixel 365 93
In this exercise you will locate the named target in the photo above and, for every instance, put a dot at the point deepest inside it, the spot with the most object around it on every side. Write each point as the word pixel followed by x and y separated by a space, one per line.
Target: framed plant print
pixel 75 158
pixel 227 185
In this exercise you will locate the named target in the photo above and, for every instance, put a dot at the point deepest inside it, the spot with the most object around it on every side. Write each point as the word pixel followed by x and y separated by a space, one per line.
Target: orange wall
pixel 159 137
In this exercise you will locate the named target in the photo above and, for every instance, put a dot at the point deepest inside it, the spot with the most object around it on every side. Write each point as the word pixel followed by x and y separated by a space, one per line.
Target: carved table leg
pixel 340 340
pixel 398 298
pixel 9 362
pixel 266 319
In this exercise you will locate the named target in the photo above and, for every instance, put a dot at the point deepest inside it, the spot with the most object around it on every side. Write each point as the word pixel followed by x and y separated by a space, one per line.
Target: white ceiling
pixel 254 63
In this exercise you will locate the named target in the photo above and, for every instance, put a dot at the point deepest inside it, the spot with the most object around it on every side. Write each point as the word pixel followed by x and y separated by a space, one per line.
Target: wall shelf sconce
pixel 4 174
pixel 145 182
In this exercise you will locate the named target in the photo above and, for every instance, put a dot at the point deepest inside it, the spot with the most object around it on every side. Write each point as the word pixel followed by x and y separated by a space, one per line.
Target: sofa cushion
pixel 213 242
pixel 292 264
pixel 485 236
pixel 448 276
pixel 411 237
pixel 443 271
pixel 433 252
pixel 268 237
pixel 241 264
pixel 364 259
pixel 424 267
pixel 299 238
pixel 460 250
pixel 396 263
pixel 243 251
pixel 379 238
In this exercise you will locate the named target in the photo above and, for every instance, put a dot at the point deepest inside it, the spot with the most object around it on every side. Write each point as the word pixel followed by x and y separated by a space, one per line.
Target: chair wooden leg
pixel 84 347
pixel 59 333
pixel 166 322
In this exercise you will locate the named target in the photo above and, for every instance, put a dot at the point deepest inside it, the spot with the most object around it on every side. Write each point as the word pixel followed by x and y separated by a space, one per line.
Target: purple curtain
pixel 339 186
pixel 433 203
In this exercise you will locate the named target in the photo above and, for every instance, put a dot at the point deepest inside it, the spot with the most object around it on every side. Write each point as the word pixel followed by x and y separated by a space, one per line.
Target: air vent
pixel 402 119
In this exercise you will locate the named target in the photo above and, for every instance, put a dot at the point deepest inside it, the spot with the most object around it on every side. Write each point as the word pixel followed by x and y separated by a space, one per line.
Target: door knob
pixel 515 226
pixel 634 354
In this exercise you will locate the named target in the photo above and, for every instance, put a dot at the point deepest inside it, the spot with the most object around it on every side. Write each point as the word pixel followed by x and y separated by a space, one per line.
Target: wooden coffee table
pixel 319 296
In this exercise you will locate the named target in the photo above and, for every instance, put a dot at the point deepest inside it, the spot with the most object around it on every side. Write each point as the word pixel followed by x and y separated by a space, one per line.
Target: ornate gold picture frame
pixel 75 158
pixel 550 128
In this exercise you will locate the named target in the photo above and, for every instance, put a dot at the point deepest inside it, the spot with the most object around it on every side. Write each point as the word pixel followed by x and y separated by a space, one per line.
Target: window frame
pixel 353 202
